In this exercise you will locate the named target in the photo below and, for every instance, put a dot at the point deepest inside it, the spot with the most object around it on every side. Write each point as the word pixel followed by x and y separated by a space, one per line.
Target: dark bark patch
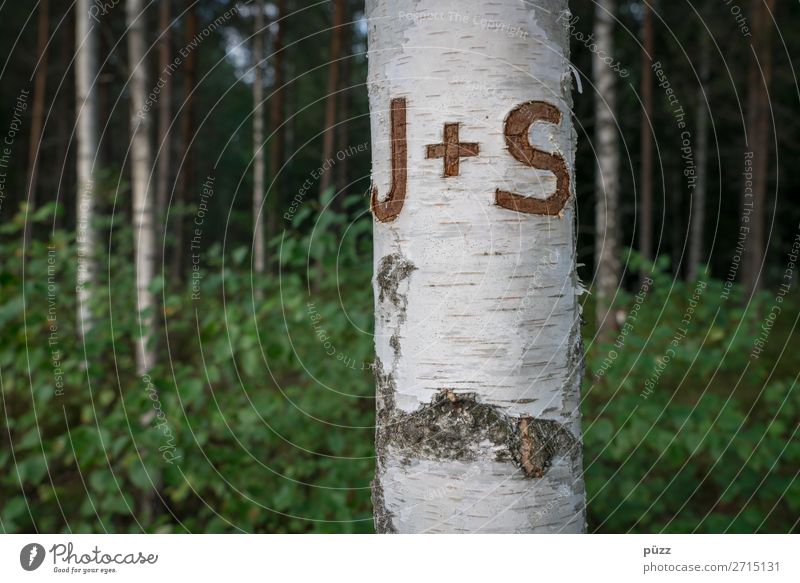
pixel 455 426
pixel 393 269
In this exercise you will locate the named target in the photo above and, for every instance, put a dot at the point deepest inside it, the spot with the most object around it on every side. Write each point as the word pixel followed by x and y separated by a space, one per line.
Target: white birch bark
pixel 607 263
pixel 141 167
pixel 477 324
pixel 86 137
pixel 259 251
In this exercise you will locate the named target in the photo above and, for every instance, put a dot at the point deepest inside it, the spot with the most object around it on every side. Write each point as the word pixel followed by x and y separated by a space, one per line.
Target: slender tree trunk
pixel 607 263
pixel 37 112
pixel 477 328
pixel 164 114
pixel 276 120
pixel 186 171
pixel 141 165
pixel 342 135
pixel 646 178
pixel 329 135
pixel 699 196
pixel 86 135
pixel 64 125
pixel 107 147
pixel 259 249
pixel 758 129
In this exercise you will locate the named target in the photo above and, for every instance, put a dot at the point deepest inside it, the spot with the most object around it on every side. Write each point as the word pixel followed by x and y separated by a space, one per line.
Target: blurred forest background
pixel 196 156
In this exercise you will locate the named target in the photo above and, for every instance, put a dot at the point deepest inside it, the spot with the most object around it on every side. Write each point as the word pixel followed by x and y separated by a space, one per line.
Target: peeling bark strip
pixel 517 125
pixel 388 209
pixel 477 326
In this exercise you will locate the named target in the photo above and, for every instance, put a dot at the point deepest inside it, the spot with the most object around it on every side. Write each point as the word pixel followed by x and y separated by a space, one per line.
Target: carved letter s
pixel 516 129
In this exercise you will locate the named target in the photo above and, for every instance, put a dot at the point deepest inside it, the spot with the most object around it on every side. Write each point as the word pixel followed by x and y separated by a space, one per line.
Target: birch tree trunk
pixel 276 120
pixel 606 238
pixel 259 251
pixel 141 166
pixel 86 136
pixel 477 326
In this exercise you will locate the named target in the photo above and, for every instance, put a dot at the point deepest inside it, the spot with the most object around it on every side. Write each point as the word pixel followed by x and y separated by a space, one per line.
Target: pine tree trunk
pixel 86 135
pixel 259 250
pixel 186 169
pixel 37 112
pixel 699 196
pixel 758 130
pixel 477 326
pixel 141 165
pixel 646 178
pixel 328 137
pixel 607 262
pixel 343 134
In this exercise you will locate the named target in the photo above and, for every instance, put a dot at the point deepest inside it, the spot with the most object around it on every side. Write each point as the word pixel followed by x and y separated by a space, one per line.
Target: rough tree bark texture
pixel 259 244
pixel 606 254
pixel 645 225
pixel 758 134
pixel 477 325
pixel 141 166
pixel 86 135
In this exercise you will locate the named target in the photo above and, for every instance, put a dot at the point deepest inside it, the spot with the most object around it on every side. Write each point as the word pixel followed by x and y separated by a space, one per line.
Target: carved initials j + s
pixel 516 129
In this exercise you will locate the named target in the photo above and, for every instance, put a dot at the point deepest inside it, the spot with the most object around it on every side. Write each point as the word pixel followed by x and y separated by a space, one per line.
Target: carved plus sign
pixel 452 150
